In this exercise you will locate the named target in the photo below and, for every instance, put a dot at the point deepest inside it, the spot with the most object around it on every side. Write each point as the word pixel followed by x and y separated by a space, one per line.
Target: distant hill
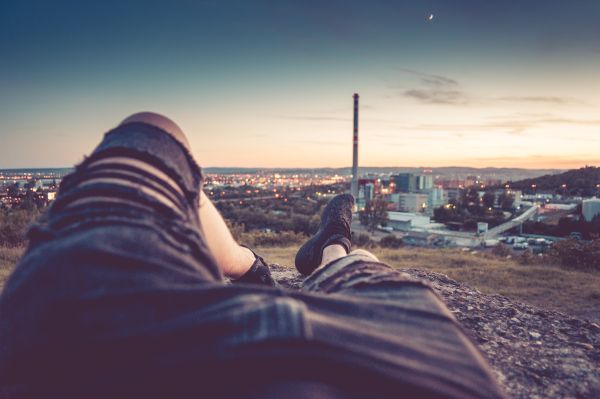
pixel 582 181
pixel 458 172
pixel 56 171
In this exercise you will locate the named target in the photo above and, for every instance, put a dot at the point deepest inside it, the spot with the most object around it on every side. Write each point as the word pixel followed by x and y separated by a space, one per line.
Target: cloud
pixel 435 96
pixel 571 121
pixel 438 89
pixel 430 78
pixel 539 99
pixel 315 118
pixel 435 89
pixel 511 124
pixel 322 142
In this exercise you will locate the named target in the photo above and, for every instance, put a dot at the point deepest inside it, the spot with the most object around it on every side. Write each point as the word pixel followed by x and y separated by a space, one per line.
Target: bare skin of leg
pixel 331 253
pixel 335 252
pixel 233 259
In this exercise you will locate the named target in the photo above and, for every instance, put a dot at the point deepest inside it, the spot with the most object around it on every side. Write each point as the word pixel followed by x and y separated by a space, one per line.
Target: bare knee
pixel 162 122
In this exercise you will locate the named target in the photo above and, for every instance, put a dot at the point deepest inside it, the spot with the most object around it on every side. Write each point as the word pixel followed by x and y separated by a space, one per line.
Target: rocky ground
pixel 535 353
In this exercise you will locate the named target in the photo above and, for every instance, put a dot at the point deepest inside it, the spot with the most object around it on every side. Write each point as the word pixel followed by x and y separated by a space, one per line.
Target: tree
pixel 391 241
pixel 29 201
pixel 489 199
pixel 470 199
pixel 13 190
pixel 506 201
pixel 374 214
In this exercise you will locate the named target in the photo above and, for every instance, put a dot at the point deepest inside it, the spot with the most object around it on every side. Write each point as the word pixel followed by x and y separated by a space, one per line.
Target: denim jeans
pixel 118 294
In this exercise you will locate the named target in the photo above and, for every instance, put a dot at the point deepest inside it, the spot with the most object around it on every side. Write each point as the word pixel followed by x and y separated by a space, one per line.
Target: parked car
pixel 576 235
pixel 520 245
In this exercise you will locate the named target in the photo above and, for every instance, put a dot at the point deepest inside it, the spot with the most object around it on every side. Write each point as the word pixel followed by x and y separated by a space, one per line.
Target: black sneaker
pixel 334 229
pixel 259 273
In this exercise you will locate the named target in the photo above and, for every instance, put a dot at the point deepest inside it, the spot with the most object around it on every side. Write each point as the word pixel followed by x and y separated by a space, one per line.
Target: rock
pixel 585 345
pixel 534 334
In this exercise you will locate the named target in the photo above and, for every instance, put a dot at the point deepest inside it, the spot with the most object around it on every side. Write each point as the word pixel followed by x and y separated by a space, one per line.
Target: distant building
pixel 386 185
pixel 405 182
pixel 540 197
pixel 454 193
pixel 482 228
pixel 590 208
pixel 471 181
pixel 369 191
pixel 406 221
pixel 436 198
pixel 559 207
pixel 424 182
pixel 518 194
pixel 451 183
pixel 412 202
pixel 366 191
pixel 421 239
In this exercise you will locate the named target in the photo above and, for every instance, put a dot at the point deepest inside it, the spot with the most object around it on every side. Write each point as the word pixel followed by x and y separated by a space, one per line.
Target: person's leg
pixel 331 253
pixel 233 259
pixel 382 312
pixel 119 273
pixel 239 263
pixel 335 252
pixel 334 231
pixel 123 228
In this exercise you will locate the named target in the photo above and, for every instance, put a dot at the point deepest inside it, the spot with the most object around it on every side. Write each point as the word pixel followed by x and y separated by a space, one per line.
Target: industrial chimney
pixel 354 185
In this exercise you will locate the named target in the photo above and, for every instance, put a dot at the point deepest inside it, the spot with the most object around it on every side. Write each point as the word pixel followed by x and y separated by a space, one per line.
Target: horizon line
pixel 340 167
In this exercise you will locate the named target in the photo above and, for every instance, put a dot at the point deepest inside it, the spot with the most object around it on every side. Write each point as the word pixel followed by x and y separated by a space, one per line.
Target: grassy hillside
pixel 581 181
pixel 548 286
pixel 8 258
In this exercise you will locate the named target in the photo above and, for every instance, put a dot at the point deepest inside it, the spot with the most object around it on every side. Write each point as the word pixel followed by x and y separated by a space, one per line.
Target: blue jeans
pixel 118 294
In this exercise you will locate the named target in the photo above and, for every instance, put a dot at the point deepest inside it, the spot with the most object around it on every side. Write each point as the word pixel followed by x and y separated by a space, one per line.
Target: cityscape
pixel 422 209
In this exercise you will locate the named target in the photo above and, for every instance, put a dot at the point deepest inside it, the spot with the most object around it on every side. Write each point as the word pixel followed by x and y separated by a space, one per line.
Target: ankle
pixel 240 264
pixel 333 252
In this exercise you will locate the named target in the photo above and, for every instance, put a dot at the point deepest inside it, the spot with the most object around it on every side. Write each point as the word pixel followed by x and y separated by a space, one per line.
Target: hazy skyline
pixel 270 83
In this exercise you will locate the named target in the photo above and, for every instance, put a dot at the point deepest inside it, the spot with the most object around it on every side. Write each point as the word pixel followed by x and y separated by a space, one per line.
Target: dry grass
pixel 548 286
pixel 8 258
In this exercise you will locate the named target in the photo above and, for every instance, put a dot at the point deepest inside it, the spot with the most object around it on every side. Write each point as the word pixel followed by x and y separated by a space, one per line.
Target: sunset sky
pixel 269 83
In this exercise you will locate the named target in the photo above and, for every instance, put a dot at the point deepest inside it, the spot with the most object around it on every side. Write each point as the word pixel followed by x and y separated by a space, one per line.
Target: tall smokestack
pixel 354 185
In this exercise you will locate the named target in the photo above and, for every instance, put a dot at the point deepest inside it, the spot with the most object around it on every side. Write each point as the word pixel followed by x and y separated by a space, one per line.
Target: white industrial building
pixel 590 208
pixel 437 198
pixel 406 221
pixel 411 202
